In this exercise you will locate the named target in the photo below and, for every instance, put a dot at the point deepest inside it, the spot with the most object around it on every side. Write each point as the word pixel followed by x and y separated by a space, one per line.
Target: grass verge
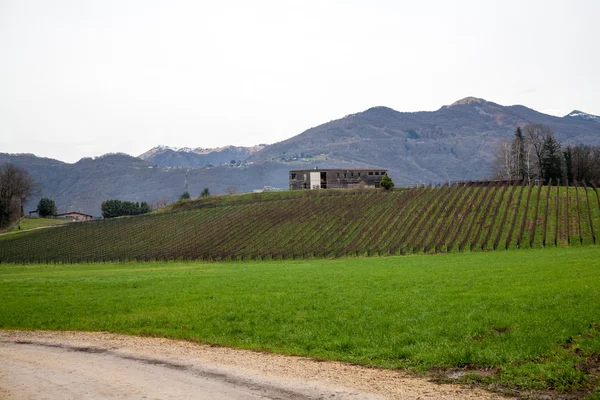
pixel 32 223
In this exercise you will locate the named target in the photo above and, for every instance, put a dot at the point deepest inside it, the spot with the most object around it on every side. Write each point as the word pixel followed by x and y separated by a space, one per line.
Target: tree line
pixel 118 208
pixel 535 154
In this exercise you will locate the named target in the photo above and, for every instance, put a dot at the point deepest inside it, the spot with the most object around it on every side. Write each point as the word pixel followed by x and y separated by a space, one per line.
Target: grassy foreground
pixel 531 316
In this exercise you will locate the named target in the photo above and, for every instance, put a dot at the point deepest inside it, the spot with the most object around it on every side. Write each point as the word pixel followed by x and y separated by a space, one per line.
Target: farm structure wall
pixel 335 178
pixel 75 216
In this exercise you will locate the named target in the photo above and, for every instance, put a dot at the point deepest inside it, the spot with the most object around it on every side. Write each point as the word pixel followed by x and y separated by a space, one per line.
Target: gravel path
pixel 86 365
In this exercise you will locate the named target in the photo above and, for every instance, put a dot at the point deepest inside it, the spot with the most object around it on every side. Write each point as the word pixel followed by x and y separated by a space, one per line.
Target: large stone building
pixel 336 178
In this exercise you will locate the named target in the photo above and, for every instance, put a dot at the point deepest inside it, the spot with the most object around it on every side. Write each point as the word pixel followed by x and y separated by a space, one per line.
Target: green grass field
pixel 32 223
pixel 532 317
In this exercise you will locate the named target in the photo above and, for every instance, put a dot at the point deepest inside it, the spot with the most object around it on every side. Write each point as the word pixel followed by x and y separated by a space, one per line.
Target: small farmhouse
pixel 77 216
pixel 336 178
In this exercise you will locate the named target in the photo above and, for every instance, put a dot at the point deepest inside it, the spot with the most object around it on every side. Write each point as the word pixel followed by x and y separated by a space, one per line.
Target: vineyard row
pixel 497 216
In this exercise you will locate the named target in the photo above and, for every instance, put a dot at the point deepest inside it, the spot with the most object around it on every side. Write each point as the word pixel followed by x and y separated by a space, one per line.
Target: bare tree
pixel 596 162
pixel 503 163
pixel 16 186
pixel 536 135
pixel 159 203
pixel 231 189
pixel 529 172
pixel 585 162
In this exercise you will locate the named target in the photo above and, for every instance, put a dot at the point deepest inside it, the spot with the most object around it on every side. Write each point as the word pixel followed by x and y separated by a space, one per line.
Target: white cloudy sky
pixel 86 77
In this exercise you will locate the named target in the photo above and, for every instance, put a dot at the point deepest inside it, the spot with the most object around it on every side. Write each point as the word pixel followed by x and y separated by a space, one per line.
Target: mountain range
pixel 456 142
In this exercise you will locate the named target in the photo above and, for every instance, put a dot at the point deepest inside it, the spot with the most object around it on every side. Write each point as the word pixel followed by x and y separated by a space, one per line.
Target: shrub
pixel 205 192
pixel 386 182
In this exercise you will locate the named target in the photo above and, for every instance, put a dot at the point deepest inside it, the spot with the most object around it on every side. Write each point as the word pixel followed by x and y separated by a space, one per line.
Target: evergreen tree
pixel 205 192
pixel 185 196
pixel 144 208
pixel 386 182
pixel 551 160
pixel 519 152
pixel 46 207
pixel 568 155
pixel 111 208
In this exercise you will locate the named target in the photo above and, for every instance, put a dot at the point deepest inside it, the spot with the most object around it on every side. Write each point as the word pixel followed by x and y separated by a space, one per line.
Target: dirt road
pixel 81 365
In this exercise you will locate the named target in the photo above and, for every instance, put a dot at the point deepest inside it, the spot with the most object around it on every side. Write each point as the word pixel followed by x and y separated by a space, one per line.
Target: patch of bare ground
pixel 120 366
pixel 476 377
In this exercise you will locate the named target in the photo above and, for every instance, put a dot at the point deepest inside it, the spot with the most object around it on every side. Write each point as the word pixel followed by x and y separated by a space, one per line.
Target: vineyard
pixel 328 223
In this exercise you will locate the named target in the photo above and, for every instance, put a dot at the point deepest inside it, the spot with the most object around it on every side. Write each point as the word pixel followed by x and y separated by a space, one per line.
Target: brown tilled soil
pixel 58 365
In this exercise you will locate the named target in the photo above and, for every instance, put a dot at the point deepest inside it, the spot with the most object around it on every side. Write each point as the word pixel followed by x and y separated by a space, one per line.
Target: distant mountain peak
pixel 377 110
pixel 576 114
pixel 468 100
pixel 381 108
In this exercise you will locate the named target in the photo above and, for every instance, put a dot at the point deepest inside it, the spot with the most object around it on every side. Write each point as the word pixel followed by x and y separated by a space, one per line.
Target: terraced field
pixel 328 223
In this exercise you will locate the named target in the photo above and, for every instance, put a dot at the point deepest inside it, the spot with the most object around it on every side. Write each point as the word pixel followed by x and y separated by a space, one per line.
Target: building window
pixel 351 173
pixel 359 174
pixel 338 174
pixel 376 172
pixel 293 176
pixel 370 172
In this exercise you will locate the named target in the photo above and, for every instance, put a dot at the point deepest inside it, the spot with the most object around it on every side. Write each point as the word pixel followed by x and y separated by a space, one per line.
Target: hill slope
pixel 327 224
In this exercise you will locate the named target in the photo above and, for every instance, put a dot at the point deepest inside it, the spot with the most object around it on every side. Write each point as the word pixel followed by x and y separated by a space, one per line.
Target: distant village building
pixel 77 216
pixel 336 178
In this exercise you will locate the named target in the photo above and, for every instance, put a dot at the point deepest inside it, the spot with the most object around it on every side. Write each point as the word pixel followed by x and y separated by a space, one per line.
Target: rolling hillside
pixel 328 224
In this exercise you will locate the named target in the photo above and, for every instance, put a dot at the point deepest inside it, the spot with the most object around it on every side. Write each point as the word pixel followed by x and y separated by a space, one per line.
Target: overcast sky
pixel 82 78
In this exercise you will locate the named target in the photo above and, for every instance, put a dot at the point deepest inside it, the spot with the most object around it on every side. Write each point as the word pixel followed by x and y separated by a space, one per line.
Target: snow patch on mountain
pixel 198 150
pixel 583 116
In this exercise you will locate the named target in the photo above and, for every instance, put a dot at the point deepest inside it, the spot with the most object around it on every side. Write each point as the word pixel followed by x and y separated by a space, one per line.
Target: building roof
pixel 74 212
